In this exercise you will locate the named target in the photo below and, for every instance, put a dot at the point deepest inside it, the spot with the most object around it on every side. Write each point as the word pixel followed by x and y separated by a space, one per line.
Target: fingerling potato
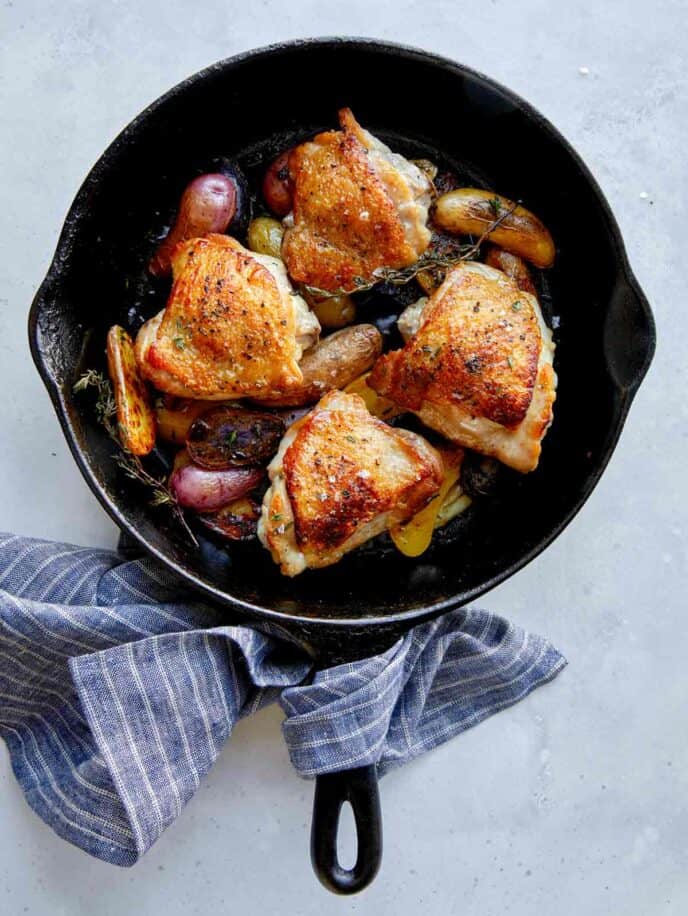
pixel 377 405
pixel 208 204
pixel 135 416
pixel 513 267
pixel 333 312
pixel 277 186
pixel 470 211
pixel 237 521
pixel 430 280
pixel 428 168
pixel 333 363
pixel 265 236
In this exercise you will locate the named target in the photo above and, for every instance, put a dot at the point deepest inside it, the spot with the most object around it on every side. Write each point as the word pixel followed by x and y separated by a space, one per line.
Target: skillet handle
pixel 359 787
pixel 629 334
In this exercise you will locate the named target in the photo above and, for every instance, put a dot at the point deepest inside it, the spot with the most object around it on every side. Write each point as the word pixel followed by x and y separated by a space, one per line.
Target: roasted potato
pixel 333 363
pixel 236 522
pixel 455 502
pixel 174 422
pixel 228 437
pixel 379 407
pixel 277 186
pixel 181 460
pixel 428 168
pixel 470 211
pixel 430 280
pixel 242 213
pixel 513 267
pixel 479 475
pixel 443 245
pixel 208 204
pixel 265 236
pixel 135 416
pixel 333 312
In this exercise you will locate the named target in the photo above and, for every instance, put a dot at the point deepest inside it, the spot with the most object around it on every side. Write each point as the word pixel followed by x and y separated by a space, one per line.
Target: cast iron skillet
pixel 247 108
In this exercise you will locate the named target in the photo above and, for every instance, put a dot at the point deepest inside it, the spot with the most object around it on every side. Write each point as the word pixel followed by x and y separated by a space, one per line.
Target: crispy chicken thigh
pixel 477 365
pixel 357 206
pixel 232 328
pixel 341 477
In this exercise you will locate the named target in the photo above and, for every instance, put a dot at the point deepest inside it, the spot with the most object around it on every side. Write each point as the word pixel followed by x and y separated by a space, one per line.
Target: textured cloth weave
pixel 118 690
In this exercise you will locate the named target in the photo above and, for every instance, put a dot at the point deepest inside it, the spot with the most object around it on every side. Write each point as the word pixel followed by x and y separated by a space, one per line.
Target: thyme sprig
pixel 105 407
pixel 106 414
pixel 432 260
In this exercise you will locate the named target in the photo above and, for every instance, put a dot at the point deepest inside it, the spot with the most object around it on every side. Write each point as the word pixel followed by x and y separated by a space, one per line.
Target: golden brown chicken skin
pixel 232 327
pixel 341 477
pixel 356 207
pixel 477 366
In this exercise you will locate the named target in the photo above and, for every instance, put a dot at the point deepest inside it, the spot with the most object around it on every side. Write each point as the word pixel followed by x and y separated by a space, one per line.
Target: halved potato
pixel 470 211
pixel 234 437
pixel 175 422
pixel 135 416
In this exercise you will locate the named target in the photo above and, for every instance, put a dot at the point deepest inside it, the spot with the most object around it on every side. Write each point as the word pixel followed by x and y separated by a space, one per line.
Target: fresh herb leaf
pixel 105 406
pixel 179 343
pixel 162 499
pixel 516 306
pixel 495 205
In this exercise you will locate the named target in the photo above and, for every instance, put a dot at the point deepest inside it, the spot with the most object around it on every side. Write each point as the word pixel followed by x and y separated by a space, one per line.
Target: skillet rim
pixel 63 251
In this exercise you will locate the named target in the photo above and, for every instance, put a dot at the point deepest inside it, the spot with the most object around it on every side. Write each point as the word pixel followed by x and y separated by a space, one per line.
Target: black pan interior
pixel 247 110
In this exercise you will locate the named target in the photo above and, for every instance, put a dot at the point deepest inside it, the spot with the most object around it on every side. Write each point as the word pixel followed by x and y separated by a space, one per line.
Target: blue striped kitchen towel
pixel 118 689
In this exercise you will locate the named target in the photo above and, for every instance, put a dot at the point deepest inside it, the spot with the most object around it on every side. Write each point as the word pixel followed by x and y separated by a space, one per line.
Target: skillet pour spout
pixel 604 332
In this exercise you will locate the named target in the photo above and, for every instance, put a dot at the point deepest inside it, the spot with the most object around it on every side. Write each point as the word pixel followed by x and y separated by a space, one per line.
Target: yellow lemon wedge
pixel 413 538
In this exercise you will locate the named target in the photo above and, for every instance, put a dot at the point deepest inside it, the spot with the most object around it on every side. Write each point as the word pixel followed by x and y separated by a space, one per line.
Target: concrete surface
pixel 574 802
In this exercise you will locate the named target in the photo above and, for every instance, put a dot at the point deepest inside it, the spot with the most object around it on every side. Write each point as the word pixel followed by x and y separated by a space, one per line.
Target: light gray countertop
pixel 576 800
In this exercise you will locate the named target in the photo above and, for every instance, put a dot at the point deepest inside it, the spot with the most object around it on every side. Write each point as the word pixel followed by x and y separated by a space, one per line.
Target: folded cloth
pixel 118 689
